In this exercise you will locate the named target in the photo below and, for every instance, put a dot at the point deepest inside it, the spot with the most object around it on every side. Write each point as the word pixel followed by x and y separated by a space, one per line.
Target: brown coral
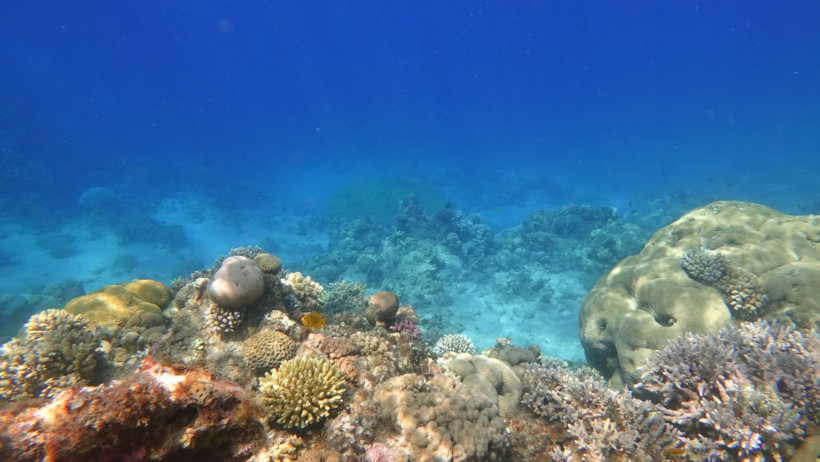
pixel 382 308
pixel 268 263
pixel 266 350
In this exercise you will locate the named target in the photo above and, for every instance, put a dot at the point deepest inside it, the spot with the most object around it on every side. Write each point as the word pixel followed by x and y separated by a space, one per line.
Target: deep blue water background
pixel 504 107
pixel 673 93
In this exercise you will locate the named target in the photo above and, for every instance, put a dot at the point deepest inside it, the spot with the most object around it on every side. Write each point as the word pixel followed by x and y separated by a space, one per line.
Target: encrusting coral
pixel 302 391
pixel 492 377
pixel 159 413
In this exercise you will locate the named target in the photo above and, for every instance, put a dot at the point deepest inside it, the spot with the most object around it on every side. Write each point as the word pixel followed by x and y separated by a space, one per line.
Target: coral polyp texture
pixel 238 282
pixel 720 264
pixel 266 349
pixel 268 263
pixel 302 391
pixel 382 308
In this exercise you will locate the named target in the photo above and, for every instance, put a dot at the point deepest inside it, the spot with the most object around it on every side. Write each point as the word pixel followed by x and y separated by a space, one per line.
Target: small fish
pixel 313 320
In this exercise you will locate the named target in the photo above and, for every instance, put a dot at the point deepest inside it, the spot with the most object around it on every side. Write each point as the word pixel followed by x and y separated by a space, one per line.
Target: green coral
pixel 59 349
pixel 302 391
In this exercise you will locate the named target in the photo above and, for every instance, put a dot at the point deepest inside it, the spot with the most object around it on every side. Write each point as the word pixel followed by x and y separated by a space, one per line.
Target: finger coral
pixel 454 344
pixel 303 391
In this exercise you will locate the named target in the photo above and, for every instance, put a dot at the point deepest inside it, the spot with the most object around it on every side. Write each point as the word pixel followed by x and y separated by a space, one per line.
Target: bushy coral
pixel 344 296
pixel 454 344
pixel 406 326
pixel 58 349
pixel 747 392
pixel 302 391
pixel 266 349
pixel 601 423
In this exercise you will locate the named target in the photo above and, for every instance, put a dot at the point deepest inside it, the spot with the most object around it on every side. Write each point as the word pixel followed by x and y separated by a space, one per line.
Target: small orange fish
pixel 313 320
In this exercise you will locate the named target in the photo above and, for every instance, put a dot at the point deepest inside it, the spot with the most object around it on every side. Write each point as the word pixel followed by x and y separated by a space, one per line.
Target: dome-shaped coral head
pixel 237 283
pixel 382 308
pixel 314 320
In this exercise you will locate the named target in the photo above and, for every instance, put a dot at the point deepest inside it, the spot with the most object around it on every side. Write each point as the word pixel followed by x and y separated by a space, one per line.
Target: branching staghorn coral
pixel 746 393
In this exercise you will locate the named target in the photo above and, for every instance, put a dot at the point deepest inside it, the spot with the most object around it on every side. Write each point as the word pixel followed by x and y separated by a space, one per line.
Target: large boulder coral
pixel 755 263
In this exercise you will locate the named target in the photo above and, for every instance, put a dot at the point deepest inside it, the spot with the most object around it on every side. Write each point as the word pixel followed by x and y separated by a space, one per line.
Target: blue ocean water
pixel 144 140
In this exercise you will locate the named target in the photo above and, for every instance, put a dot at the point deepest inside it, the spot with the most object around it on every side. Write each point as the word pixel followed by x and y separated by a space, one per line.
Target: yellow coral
pixel 150 291
pixel 268 263
pixel 110 306
pixel 302 391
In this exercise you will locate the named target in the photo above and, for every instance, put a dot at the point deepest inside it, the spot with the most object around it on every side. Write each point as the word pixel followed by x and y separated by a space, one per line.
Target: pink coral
pixel 378 452
pixel 407 327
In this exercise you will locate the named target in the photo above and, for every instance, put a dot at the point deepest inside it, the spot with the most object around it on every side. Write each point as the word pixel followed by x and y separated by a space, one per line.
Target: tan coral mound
pixel 647 299
pixel 303 391
pixel 149 290
pixel 305 289
pixel 266 350
pixel 442 419
pixel 113 305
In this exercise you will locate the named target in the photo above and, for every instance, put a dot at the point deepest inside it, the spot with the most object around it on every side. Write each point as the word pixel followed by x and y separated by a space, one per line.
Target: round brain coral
pixel 238 282
pixel 268 263
pixel 302 391
pixel 266 350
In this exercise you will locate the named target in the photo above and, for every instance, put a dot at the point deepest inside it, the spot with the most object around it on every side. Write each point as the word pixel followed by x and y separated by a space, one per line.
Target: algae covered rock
pixel 723 262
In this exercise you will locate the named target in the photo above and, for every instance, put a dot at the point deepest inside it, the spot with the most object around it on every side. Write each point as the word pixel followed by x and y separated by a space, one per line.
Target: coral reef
pixel 454 344
pixel 406 326
pixel 596 423
pixel 159 412
pixel 238 282
pixel 768 260
pixel 344 296
pixel 441 419
pixel 58 349
pixel 746 393
pixel 302 391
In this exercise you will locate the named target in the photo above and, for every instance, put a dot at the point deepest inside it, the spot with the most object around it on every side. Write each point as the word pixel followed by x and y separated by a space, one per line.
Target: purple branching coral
pixel 745 393
pixel 377 452
pixel 603 424
pixel 406 326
